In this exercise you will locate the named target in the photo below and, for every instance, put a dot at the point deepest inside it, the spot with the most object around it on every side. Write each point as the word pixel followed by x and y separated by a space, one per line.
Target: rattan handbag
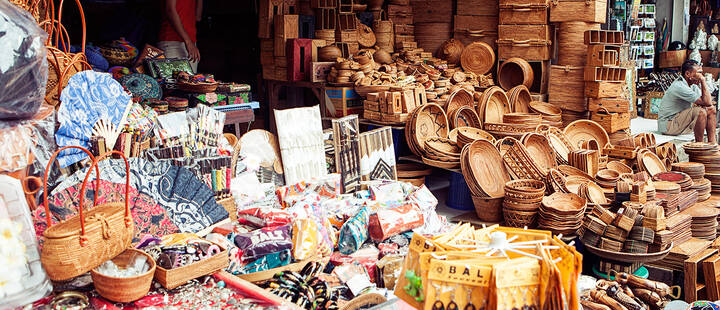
pixel 61 63
pixel 84 241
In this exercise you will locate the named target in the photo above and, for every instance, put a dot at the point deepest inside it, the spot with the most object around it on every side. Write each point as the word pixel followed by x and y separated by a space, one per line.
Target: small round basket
pixel 124 289
pixel 488 209
pixel 520 219
pixel 199 88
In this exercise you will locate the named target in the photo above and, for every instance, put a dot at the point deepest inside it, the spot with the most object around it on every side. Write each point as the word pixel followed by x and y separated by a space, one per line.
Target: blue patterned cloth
pixel 88 97
pixel 189 203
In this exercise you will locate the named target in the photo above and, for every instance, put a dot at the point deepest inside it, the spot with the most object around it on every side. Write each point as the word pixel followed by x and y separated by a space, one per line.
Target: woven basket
pixel 515 71
pixel 125 289
pixel 494 103
pixel 200 88
pixel 520 219
pixel 572 50
pixel 488 209
pixel 477 57
pixel 84 241
pixel 518 161
pixel 116 56
pixel 465 117
pixel 172 278
pixel 365 35
pixel 459 98
pixel 450 51
pixel 520 99
pixel 62 65
pixel 228 204
pixel 566 88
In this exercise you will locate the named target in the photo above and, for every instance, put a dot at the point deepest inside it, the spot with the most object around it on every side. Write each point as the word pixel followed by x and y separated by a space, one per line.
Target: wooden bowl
pixel 608 175
pixel 586 130
pixel 539 149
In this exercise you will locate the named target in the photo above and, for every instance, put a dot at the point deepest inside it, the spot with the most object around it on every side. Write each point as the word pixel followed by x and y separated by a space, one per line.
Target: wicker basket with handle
pixel 86 240
pixel 172 278
pixel 61 65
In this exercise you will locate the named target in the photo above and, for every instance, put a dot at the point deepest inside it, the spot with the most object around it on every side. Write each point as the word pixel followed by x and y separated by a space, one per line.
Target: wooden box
pixel 320 71
pixel 711 271
pixel 281 73
pixel 267 45
pixel 404 29
pixel 267 58
pixel 299 59
pixel 591 11
pixel 394 9
pixel 395 103
pixel 604 37
pixel 343 101
pixel 671 59
pixel 267 11
pixel 280 61
pixel 602 55
pixel 346 21
pixel 611 74
pixel 323 4
pixel 432 11
pixel 346 36
pixel 619 105
pixel 478 7
pixel 694 281
pixel 268 72
pixel 524 32
pixel 604 89
pixel 566 88
pixel 325 19
pixel 371 106
pixel 172 278
pixel 286 26
pixel 306 26
pixel 372 115
pixel 420 96
pixel 280 47
pixel 401 19
pixel 518 14
pixel 611 121
pixel 524 2
pixel 468 29
pixel 408 101
pixel 525 49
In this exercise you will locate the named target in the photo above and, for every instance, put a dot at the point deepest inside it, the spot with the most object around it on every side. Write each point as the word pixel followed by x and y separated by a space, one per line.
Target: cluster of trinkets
pixel 629 292
pixel 178 252
pixel 305 289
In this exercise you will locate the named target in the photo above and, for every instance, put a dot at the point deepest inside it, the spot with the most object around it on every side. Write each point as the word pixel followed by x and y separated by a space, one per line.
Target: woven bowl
pixel 519 99
pixel 488 209
pixel 442 146
pixel 564 203
pixel 544 108
pixel 460 97
pixel 477 57
pixel 539 149
pixel 586 130
pixel 465 116
pixel 494 103
pixel 485 168
pixel 619 167
pixel 469 134
pixel 440 164
pixel 125 289
pixel 530 188
pixel 608 175
pixel 520 219
pixel 429 121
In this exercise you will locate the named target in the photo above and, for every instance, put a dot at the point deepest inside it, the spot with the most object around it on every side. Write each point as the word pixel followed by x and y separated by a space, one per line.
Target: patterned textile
pixel 141 86
pixel 149 216
pixel 189 203
pixel 88 97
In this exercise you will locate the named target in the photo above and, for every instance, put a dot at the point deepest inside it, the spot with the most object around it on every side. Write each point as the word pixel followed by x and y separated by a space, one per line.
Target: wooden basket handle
pixel 47 172
pixel 603 110
pixel 82 19
pixel 49 26
pixel 523 7
pixel 128 218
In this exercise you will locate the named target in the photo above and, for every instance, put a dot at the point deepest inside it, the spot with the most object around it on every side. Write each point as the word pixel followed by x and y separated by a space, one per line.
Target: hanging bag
pixel 61 63
pixel 84 241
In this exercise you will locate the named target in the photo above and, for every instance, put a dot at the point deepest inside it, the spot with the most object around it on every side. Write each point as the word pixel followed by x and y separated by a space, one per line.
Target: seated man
pixel 687 107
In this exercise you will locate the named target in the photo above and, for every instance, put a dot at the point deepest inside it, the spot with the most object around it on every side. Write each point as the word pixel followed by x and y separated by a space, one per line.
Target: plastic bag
pixel 354 232
pixel 23 63
pixel 263 241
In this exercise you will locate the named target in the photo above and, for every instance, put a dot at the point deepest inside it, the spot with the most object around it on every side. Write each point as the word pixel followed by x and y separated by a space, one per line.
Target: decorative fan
pixel 89 97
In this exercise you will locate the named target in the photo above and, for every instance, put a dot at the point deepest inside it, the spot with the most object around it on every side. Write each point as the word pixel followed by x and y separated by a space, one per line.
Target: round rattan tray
pixel 629 257
pixel 585 130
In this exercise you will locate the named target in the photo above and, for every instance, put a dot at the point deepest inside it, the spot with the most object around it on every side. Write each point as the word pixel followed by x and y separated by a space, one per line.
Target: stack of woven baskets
pixel 522 201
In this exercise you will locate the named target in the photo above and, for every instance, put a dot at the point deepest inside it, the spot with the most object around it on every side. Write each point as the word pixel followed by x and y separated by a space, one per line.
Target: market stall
pixel 461 155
